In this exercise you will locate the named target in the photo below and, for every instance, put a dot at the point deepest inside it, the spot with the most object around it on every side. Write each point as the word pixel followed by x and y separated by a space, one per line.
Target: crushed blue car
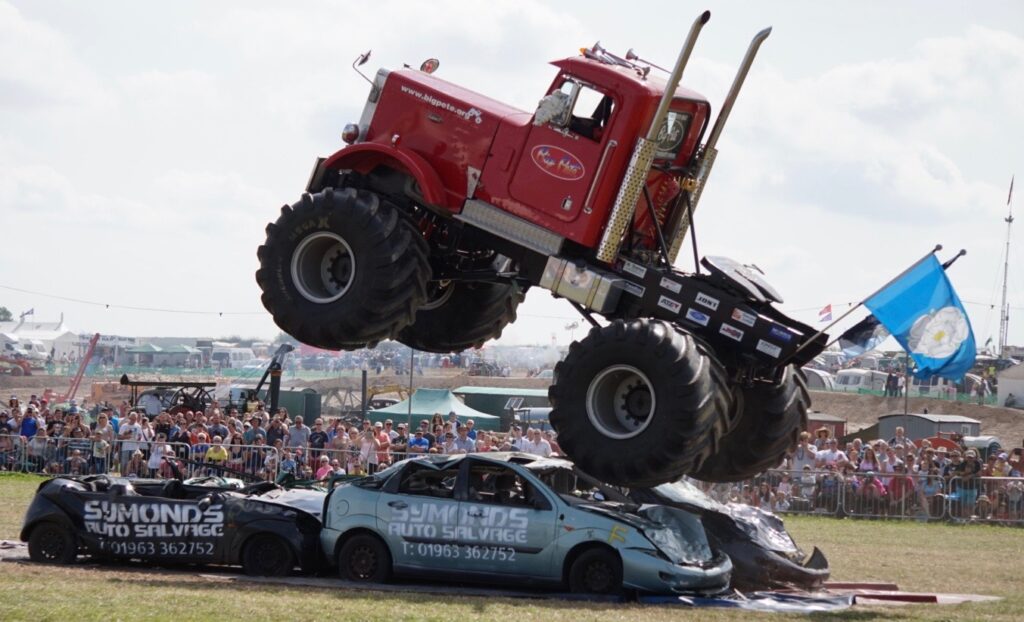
pixel 514 518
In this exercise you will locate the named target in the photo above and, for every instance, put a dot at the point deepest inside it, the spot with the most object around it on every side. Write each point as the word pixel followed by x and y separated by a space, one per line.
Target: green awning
pixel 426 402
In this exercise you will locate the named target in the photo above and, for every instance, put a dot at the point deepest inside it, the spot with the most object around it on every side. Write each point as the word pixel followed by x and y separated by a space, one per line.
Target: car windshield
pixel 575 486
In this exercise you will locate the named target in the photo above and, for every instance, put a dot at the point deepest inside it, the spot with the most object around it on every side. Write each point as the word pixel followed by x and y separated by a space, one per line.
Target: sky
pixel 145 146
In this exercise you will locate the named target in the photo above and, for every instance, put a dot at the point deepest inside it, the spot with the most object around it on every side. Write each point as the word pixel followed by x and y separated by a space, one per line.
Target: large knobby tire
pixel 342 269
pixel 267 555
pixel 364 558
pixel 597 571
pixel 771 419
pixel 462 315
pixel 51 543
pixel 638 403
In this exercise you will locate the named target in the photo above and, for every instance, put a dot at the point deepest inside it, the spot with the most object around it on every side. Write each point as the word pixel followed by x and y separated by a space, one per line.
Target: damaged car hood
pixel 676 533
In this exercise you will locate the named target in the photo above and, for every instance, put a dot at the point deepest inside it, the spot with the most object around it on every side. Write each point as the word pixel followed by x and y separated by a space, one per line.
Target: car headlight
pixel 665 541
pixel 679 535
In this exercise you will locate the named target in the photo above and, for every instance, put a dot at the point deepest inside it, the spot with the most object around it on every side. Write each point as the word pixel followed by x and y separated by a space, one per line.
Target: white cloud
pixel 38 67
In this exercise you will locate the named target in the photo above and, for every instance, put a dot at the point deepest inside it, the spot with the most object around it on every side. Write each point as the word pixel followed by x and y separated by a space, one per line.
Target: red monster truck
pixel 447 206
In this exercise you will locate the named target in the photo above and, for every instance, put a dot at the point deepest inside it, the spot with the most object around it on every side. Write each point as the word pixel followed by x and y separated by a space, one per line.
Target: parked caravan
pixel 857 380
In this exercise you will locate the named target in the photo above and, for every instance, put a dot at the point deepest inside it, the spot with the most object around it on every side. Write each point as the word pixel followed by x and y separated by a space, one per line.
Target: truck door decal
pixel 557 162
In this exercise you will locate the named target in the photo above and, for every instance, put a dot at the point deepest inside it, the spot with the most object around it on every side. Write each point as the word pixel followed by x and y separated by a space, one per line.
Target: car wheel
pixel 364 558
pixel 267 556
pixel 51 543
pixel 597 571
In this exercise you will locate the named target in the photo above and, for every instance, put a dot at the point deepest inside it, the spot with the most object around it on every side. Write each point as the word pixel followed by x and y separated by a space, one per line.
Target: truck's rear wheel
pixel 342 269
pixel 462 315
pixel 638 403
pixel 772 417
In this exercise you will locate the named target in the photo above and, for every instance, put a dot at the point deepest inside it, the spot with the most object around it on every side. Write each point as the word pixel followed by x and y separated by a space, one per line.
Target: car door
pixel 417 514
pixel 506 523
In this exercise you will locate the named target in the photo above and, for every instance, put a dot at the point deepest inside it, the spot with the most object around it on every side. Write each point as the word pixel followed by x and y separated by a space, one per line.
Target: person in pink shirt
pixel 325 469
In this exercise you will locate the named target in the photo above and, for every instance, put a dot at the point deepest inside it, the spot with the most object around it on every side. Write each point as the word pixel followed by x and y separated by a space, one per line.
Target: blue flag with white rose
pixel 926 317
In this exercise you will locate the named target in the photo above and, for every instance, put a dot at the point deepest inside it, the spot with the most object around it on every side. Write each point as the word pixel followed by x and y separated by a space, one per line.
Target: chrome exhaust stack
pixel 709 152
pixel 643 155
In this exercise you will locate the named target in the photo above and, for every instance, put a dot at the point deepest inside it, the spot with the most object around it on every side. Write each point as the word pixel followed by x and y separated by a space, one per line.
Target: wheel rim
pixel 51 545
pixel 363 562
pixel 323 267
pixel 597 577
pixel 620 402
pixel 438 293
pixel 268 556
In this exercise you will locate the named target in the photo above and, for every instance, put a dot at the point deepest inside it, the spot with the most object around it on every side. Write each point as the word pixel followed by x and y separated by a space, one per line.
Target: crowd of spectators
pixel 895 477
pixel 246 440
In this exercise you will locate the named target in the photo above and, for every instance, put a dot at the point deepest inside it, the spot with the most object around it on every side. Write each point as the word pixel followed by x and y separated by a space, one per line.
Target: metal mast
pixel 1004 310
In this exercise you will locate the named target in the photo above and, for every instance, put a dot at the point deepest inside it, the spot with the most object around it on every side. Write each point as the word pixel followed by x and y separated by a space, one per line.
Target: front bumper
pixel 649 573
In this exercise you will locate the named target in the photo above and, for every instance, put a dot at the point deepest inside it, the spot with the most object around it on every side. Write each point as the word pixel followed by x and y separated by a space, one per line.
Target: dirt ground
pixel 860 411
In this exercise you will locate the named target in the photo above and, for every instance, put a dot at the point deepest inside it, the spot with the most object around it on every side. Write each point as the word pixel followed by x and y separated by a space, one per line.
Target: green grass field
pixel 942 558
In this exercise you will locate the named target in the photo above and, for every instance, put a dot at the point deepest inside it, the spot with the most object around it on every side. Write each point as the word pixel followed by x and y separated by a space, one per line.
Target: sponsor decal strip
pixel 671 285
pixel 696 316
pixel 667 303
pixel 768 348
pixel 731 332
pixel 707 301
pixel 744 317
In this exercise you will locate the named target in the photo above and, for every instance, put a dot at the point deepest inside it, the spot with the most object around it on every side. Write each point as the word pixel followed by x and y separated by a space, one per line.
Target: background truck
pixel 446 206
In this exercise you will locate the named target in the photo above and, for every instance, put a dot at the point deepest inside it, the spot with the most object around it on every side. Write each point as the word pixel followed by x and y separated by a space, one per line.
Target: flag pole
pixel 938 247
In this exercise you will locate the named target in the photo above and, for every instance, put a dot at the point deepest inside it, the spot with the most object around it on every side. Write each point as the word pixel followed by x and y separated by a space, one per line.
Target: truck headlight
pixel 350 134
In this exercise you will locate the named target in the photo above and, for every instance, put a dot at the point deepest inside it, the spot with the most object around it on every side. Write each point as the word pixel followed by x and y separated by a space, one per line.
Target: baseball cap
pixel 378 425
pixel 1003 456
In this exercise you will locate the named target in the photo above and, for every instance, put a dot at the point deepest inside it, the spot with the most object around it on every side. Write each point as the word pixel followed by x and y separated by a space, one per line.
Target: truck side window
pixel 576 107
pixel 591 113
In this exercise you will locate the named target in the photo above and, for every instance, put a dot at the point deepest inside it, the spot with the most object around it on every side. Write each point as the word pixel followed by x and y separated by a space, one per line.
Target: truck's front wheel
pixel 638 403
pixel 342 269
pixel 769 425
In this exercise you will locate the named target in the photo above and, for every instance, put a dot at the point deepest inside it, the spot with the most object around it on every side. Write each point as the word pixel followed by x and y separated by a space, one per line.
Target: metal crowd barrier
pixel 13 453
pixel 259 461
pixel 996 500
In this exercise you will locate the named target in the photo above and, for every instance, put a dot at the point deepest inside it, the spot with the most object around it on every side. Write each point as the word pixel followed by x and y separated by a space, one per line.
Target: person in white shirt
pixel 831 455
pixel 535 444
pixel 130 434
pixel 804 455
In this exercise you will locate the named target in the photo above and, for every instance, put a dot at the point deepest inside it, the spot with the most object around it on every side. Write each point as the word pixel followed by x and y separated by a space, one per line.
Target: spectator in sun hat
pixel 983 508
pixel 1001 468
pixel 14 406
